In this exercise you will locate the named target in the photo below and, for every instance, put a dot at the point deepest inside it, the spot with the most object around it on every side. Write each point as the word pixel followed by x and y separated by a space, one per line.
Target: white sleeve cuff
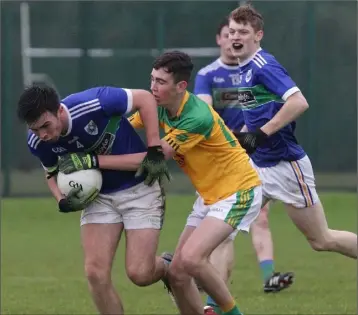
pixel 289 92
pixel 129 100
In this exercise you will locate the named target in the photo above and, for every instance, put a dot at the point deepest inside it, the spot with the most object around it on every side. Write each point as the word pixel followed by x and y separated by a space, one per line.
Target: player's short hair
pixel 35 101
pixel 247 14
pixel 176 62
pixel 224 22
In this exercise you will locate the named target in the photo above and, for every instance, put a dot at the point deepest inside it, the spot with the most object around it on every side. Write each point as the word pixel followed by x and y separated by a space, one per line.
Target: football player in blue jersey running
pixel 88 130
pixel 271 102
pixel 217 84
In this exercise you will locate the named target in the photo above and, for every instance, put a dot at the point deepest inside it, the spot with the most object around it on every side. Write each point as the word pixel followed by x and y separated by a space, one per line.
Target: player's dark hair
pixel 223 23
pixel 35 101
pixel 177 63
pixel 247 14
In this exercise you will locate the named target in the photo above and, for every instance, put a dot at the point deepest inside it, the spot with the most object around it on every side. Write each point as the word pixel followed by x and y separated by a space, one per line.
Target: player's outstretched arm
pixel 125 162
pixel 130 162
pixel 294 106
pixel 145 103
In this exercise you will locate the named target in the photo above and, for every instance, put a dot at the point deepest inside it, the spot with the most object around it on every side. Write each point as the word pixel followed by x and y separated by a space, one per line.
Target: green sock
pixel 234 311
pixel 267 268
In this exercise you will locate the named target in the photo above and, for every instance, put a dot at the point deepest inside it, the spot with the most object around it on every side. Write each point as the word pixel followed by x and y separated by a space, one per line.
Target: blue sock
pixel 210 301
pixel 267 268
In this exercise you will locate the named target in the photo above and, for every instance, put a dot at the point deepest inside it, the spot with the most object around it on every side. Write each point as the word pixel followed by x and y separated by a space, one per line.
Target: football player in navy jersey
pixel 271 101
pixel 217 83
pixel 88 130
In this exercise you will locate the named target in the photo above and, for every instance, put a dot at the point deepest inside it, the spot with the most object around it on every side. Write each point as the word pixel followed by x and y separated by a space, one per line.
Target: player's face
pixel 163 87
pixel 48 127
pixel 244 40
pixel 224 43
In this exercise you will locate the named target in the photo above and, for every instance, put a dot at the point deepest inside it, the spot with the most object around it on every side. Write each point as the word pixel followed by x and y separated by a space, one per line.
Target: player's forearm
pixel 149 116
pixel 290 111
pixel 52 185
pixel 125 162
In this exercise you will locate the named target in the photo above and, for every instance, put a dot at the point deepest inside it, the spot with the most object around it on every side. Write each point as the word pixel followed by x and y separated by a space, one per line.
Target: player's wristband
pixel 52 174
pixel 239 135
pixel 94 161
pixel 262 136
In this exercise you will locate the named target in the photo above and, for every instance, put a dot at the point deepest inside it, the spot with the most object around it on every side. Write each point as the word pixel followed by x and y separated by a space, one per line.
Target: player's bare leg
pixel 194 257
pixel 185 291
pixel 222 258
pixel 99 242
pixel 311 221
pixel 142 266
pixel 263 244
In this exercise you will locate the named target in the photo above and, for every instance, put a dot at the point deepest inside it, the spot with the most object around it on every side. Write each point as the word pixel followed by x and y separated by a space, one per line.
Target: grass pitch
pixel 42 273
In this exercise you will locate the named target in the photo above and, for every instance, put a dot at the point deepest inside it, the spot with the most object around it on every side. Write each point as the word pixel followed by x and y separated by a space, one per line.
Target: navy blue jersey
pixel 221 82
pixel 96 124
pixel 264 87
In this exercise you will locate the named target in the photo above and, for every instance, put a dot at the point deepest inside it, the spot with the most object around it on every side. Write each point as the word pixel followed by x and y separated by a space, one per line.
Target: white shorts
pixel 138 207
pixel 290 182
pixel 239 210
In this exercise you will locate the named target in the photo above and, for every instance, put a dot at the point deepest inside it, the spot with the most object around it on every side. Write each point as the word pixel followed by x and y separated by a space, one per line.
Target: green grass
pixel 41 264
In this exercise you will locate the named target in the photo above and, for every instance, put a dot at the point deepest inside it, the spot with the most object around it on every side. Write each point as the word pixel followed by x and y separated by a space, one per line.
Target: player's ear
pixel 218 40
pixel 181 86
pixel 259 35
pixel 60 110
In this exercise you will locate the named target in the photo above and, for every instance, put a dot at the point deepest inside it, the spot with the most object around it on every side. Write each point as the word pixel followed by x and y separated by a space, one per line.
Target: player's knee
pixel 176 273
pixel 141 275
pixel 191 262
pixel 318 246
pixel 97 275
pixel 324 243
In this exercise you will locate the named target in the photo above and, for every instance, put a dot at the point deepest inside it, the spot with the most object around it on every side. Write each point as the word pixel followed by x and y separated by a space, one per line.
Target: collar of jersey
pixel 183 101
pixel 252 57
pixel 69 120
pixel 225 66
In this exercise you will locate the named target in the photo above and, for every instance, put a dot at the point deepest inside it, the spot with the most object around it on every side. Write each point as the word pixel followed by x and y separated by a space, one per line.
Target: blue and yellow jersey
pixel 205 149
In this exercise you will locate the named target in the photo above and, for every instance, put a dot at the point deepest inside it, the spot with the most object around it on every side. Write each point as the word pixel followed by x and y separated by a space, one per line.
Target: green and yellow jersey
pixel 206 149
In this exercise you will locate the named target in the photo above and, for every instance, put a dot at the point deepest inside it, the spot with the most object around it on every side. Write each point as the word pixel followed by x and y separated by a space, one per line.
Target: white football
pixel 85 179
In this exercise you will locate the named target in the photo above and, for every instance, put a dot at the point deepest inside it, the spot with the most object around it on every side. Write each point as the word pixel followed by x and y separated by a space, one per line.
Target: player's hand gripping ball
pixel 79 188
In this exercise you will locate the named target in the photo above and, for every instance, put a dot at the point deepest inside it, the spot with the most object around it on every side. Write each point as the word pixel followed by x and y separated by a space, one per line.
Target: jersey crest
pixel 91 128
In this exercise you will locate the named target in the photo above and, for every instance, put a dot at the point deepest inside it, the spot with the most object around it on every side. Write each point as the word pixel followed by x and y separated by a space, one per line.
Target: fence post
pixel 310 52
pixel 85 15
pixel 5 104
pixel 160 27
